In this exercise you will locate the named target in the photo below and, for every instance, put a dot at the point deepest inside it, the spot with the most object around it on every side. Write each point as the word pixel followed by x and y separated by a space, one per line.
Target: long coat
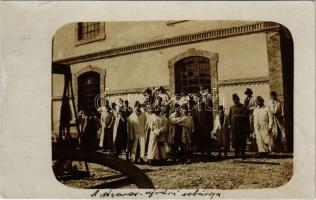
pixel 120 131
pixel 250 104
pixel 203 119
pixel 157 134
pixel 222 131
pixel 276 109
pixel 107 122
pixel 203 122
pixel 136 124
pixel 238 119
pixel 89 134
pixel 262 124
pixel 278 125
pixel 115 126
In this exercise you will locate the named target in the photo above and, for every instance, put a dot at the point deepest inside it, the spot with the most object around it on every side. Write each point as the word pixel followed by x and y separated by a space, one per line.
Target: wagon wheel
pixel 131 174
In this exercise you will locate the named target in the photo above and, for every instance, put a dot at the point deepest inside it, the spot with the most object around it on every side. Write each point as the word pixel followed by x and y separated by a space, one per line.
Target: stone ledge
pixel 131 91
pixel 243 81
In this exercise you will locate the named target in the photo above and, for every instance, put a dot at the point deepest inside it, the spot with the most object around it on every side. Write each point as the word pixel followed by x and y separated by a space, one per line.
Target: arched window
pixel 88 89
pixel 191 73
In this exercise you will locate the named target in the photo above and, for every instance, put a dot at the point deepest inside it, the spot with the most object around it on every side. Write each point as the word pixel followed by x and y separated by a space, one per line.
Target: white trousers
pixel 264 141
pixel 141 141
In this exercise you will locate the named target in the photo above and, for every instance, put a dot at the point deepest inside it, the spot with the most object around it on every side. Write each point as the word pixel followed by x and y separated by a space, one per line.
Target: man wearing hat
pixel 238 118
pixel 127 108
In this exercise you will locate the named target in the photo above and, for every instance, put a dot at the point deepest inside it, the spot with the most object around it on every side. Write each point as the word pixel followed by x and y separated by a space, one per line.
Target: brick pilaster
pixel 214 80
pixel 275 63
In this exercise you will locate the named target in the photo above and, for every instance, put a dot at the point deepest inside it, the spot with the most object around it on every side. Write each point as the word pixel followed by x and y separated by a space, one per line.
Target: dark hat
pixel 235 96
pixel 221 108
pixel 148 91
pixel 259 98
pixel 107 102
pixel 273 93
pixel 161 89
pixel 137 103
pixel 107 107
pixel 248 91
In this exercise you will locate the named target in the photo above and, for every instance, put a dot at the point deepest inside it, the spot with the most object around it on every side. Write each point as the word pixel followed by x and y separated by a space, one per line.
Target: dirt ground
pixel 215 174
pixel 225 174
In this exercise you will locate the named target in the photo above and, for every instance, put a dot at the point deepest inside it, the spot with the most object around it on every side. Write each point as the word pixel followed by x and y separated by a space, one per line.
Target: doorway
pixel 88 89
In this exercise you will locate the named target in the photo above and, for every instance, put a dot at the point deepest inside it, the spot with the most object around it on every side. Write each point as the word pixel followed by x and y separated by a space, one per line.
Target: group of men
pixel 161 128
pixel 264 124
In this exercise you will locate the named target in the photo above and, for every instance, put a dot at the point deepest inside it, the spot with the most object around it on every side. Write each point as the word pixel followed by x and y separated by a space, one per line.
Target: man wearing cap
pixel 238 117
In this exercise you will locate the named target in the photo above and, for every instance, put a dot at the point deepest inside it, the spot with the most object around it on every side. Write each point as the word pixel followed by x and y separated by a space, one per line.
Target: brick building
pixel 123 58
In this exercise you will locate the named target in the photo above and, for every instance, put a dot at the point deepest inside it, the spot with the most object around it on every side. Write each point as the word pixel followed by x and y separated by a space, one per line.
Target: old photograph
pixel 179 104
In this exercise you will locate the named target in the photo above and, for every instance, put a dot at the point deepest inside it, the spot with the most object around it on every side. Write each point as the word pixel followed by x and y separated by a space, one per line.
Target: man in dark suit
pixel 238 117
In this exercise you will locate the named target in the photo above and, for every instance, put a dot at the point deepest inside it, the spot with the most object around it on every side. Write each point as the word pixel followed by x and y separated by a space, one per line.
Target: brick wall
pixel 275 63
pixel 281 76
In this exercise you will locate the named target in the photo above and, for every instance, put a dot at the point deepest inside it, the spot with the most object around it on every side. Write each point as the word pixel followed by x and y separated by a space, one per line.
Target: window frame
pixel 99 37
pixel 192 64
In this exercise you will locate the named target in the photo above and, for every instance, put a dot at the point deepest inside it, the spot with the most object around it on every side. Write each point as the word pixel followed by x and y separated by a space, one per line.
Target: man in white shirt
pixel 262 126
pixel 136 124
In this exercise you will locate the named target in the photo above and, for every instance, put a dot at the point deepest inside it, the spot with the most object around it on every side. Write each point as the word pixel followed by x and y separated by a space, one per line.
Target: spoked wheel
pixel 104 171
